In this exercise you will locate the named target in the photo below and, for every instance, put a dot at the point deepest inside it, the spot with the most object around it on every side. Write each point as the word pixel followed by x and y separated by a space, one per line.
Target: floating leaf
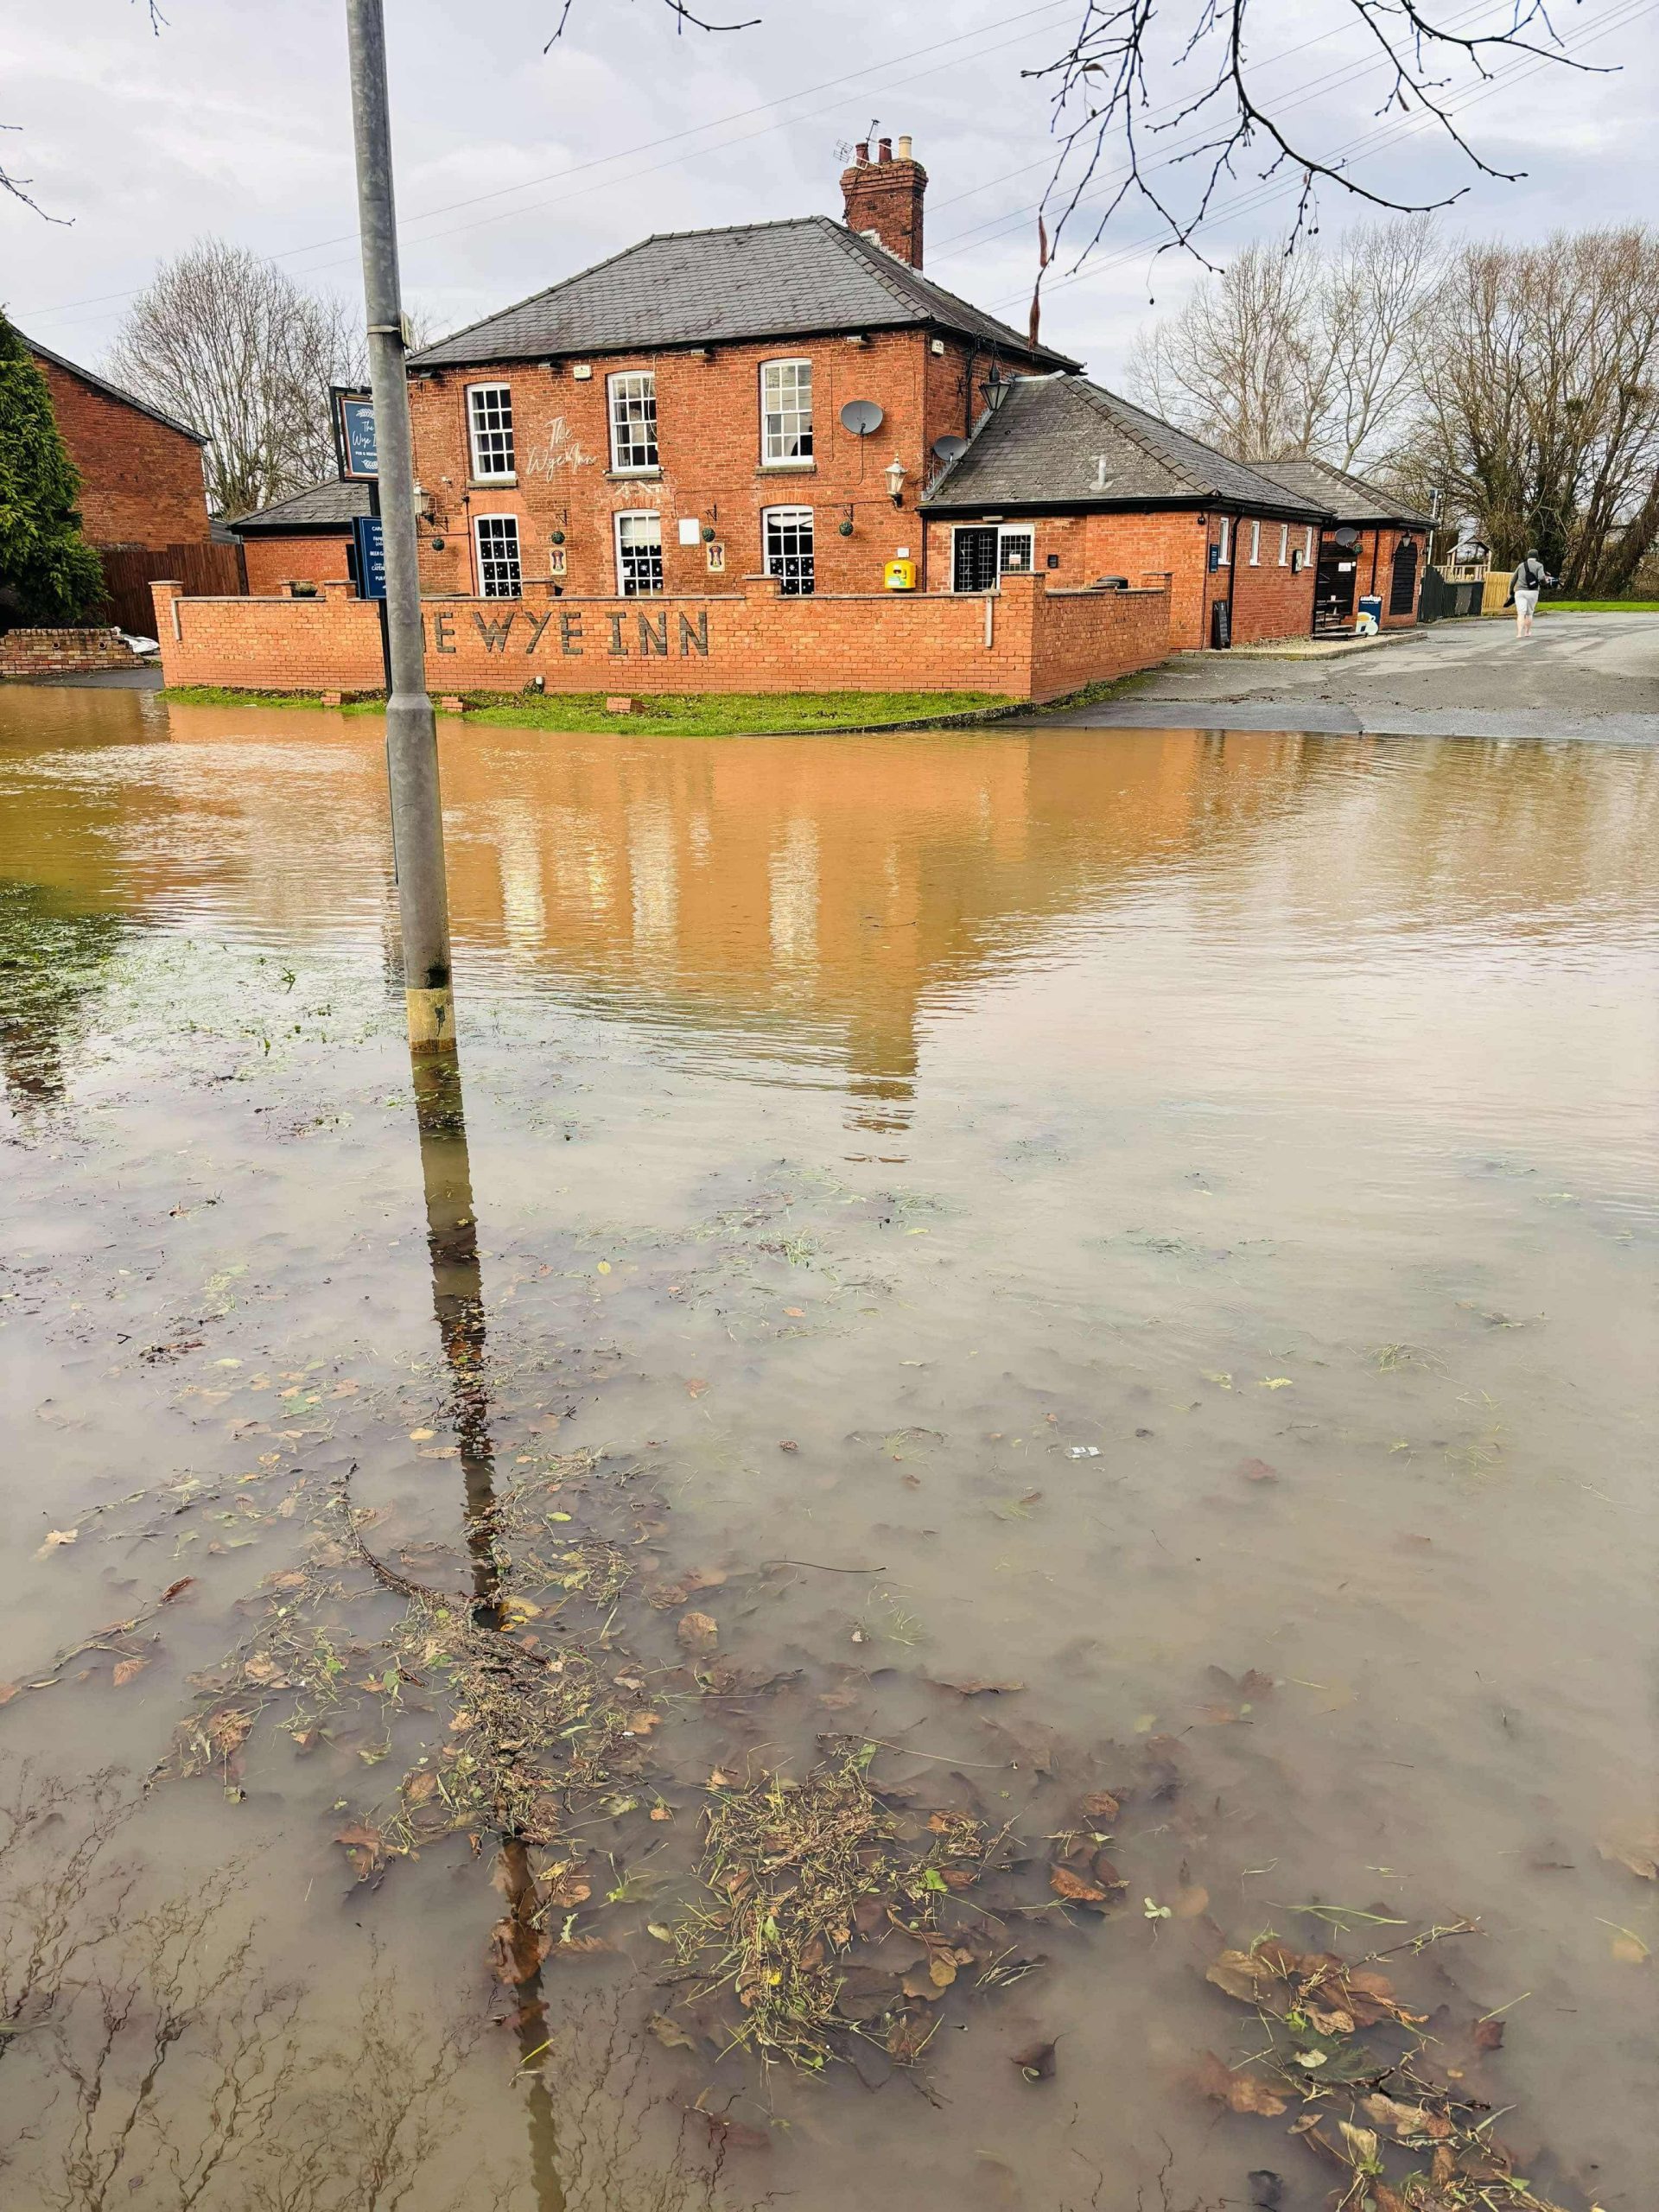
pixel 1074 1888
pixel 1239 2092
pixel 1640 1854
pixel 695 1387
pixel 1037 2061
pixel 1256 1471
pixel 669 2032
pixel 1489 2035
pixel 365 1847
pixel 54 1537
pixel 125 1669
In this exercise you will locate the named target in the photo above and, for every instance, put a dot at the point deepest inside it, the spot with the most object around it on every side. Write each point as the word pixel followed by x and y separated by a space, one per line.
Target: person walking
pixel 1525 585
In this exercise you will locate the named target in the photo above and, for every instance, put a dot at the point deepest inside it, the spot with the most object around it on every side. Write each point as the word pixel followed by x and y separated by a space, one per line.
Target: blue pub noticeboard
pixel 354 441
pixel 369 539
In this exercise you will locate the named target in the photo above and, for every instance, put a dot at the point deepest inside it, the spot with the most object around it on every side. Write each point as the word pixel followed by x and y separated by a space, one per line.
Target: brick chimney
pixel 884 196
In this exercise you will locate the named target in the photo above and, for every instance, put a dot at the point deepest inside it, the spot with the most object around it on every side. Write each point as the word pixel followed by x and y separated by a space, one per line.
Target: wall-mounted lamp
pixel 894 474
pixel 996 388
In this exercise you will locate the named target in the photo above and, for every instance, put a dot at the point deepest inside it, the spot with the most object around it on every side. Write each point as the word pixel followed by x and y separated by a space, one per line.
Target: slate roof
pixel 708 287
pixel 113 391
pixel 1351 498
pixel 324 506
pixel 1062 441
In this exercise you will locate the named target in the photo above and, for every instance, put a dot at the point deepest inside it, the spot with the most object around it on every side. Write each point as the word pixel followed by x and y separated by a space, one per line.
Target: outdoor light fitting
pixel 996 388
pixel 894 473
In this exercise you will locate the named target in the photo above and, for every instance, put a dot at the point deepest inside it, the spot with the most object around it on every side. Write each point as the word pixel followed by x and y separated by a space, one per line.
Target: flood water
pixel 1101 1213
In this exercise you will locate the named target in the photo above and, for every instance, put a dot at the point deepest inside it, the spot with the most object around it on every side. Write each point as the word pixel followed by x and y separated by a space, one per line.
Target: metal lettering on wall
pixel 626 636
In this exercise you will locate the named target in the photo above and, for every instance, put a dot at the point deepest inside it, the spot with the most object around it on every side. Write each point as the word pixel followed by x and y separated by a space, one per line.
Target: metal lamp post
pixel 411 727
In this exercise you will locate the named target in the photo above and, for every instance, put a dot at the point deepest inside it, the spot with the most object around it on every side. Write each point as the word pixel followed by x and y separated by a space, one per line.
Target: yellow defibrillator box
pixel 900 575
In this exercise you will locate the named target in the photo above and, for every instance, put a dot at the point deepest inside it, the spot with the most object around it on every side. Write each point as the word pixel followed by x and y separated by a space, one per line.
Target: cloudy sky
pixel 517 167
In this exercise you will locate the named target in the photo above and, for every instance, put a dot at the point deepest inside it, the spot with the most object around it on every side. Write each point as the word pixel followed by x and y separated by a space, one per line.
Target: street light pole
pixel 411 727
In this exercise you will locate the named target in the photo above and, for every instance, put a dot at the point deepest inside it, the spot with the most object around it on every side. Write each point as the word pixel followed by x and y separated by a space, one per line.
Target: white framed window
pixel 1308 545
pixel 500 570
pixel 1255 544
pixel 639 554
pixel 982 554
pixel 489 420
pixel 1284 544
pixel 632 395
pixel 785 413
pixel 786 533
pixel 1224 553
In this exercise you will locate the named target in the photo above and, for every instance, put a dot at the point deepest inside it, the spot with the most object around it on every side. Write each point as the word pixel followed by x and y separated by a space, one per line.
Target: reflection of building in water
pixel 800 907
pixel 809 897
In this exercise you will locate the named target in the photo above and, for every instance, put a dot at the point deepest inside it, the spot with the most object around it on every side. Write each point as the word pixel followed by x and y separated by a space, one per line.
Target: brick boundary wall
pixel 63 653
pixel 1025 642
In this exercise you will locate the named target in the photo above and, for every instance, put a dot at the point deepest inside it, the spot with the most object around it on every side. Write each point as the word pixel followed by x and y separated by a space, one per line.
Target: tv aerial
pixel 862 417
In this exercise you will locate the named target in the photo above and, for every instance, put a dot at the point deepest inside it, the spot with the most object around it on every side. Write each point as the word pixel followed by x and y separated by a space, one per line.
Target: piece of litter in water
pixel 1083 1450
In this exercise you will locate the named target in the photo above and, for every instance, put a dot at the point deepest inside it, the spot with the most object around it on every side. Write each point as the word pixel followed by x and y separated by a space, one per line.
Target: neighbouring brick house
pixel 1070 479
pixel 141 478
pixel 306 539
pixel 143 496
pixel 1373 542
pixel 673 419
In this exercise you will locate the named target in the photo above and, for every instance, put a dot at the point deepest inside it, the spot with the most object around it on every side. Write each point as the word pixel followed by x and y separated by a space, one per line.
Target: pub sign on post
pixel 369 540
pixel 355 450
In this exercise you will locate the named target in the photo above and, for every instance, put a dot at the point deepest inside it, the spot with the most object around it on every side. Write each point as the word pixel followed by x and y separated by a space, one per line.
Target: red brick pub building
pixel 779 457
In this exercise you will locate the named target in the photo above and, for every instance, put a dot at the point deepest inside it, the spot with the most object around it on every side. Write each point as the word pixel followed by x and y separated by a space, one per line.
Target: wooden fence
pixel 210 571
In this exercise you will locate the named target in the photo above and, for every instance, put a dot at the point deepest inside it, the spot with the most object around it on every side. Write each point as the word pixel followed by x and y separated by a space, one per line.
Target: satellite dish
pixel 950 448
pixel 1347 536
pixel 861 417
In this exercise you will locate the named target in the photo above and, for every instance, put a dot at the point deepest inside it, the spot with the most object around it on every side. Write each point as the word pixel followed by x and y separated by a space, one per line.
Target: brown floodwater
pixel 1153 1205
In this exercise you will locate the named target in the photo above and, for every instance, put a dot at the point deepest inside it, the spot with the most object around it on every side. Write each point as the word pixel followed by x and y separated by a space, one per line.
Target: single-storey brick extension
pixel 1372 543
pixel 1074 480
pixel 305 539
pixel 725 423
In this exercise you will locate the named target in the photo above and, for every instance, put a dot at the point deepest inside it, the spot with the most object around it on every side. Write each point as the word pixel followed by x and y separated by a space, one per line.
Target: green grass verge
pixel 722 714
pixel 725 714
pixel 1596 607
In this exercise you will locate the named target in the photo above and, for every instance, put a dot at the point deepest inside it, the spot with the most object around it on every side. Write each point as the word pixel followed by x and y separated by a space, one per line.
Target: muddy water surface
pixel 1102 1214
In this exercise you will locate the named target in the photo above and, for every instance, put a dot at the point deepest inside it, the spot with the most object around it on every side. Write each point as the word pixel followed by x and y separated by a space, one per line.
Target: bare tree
pixel 1369 299
pixel 1287 354
pixel 1126 56
pixel 1237 364
pixel 231 343
pixel 1538 402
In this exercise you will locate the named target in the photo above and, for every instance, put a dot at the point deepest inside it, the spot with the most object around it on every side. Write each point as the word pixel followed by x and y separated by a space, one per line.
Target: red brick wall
pixel 274 561
pixel 1268 601
pixel 1024 642
pixel 709 438
pixel 1271 599
pixel 329 644
pixel 141 483
pixel 62 652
